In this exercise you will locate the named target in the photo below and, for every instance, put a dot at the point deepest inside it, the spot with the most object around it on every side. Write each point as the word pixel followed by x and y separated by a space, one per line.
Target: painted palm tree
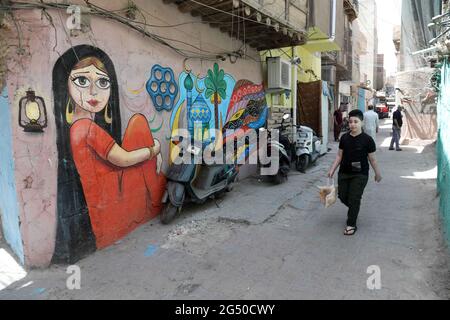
pixel 216 88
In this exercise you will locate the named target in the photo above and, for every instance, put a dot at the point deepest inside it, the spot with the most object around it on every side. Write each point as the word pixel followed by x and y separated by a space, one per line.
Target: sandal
pixel 350 231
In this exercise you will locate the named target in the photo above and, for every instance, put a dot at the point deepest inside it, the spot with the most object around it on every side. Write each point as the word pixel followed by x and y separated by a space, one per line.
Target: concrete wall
pixel 322 15
pixel 340 23
pixel 415 34
pixel 311 69
pixel 132 56
pixel 364 30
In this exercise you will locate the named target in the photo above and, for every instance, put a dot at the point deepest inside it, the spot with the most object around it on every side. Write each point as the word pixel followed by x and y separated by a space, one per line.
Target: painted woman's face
pixel 89 88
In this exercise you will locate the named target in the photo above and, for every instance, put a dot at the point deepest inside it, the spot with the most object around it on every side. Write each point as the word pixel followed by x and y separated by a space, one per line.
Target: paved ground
pixel 277 242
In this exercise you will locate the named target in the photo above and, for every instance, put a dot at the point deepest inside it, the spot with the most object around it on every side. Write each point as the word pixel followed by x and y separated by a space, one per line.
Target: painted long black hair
pixel 74 236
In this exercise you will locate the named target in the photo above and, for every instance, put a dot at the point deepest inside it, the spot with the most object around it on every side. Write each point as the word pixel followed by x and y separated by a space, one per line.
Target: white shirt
pixel 371 123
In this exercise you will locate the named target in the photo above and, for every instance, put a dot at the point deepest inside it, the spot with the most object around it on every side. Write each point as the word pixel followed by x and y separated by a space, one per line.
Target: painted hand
pixel 157 153
pixel 158 164
pixel 156 149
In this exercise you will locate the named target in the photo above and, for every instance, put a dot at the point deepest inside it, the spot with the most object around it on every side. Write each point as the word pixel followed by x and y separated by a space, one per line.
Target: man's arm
pixel 336 163
pixel 377 123
pixel 374 164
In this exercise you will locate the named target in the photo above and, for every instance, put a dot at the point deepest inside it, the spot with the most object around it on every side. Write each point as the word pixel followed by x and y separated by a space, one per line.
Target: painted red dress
pixel 118 199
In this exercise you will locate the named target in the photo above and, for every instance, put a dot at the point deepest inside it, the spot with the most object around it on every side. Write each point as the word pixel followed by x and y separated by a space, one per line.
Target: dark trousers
pixel 337 131
pixel 396 133
pixel 350 191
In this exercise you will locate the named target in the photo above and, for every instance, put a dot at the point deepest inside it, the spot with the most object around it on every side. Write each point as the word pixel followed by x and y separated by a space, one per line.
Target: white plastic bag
pixel 327 194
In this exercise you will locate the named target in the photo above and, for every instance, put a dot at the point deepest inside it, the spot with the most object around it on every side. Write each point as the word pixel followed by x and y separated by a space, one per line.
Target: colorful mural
pixel 68 191
pixel 162 88
pixel 194 110
pixel 236 105
pixel 106 186
pixel 216 87
pixel 109 180
pixel 247 110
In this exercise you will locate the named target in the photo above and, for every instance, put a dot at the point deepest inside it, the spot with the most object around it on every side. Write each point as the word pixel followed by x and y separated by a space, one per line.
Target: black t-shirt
pixel 338 116
pixel 398 116
pixel 356 151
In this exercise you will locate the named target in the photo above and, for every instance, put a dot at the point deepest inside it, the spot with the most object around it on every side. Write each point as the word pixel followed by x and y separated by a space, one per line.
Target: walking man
pixel 397 129
pixel 337 123
pixel 371 124
pixel 356 150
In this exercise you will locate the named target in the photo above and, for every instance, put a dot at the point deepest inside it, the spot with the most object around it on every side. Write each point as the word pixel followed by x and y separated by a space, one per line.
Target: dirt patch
pixel 197 237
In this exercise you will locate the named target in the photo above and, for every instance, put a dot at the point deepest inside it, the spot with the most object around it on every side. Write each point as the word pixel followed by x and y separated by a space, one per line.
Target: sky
pixel 389 14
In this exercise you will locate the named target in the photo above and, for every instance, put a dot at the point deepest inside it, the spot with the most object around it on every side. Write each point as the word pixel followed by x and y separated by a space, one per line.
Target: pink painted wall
pixel 133 55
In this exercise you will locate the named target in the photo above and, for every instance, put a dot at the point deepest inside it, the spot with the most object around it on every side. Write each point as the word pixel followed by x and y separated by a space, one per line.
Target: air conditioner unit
pixel 279 74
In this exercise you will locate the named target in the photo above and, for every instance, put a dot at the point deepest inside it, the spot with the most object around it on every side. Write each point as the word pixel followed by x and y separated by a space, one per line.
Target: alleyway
pixel 277 242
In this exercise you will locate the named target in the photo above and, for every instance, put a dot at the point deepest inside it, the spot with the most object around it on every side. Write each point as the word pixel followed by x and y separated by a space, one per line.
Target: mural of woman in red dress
pixel 121 182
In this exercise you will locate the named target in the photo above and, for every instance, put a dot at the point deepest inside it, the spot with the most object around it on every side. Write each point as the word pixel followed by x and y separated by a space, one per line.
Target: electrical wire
pixel 19 33
pixel 67 35
pixel 96 10
pixel 232 14
pixel 215 54
pixel 50 20
pixel 155 37
pixel 221 53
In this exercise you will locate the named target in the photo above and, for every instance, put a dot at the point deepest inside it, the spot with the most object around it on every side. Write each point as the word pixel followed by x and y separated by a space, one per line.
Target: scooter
pixel 284 149
pixel 307 148
pixel 195 183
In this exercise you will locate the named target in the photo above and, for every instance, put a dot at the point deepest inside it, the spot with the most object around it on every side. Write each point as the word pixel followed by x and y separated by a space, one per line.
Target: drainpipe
pixel 294 97
pixel 332 33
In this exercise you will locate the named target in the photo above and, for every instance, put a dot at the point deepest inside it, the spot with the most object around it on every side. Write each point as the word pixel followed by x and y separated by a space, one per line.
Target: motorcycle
pixel 307 148
pixel 284 149
pixel 195 183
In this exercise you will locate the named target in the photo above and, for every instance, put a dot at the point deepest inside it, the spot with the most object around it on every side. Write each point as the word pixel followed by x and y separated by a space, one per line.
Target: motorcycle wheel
pixel 230 186
pixel 302 163
pixel 281 176
pixel 168 214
